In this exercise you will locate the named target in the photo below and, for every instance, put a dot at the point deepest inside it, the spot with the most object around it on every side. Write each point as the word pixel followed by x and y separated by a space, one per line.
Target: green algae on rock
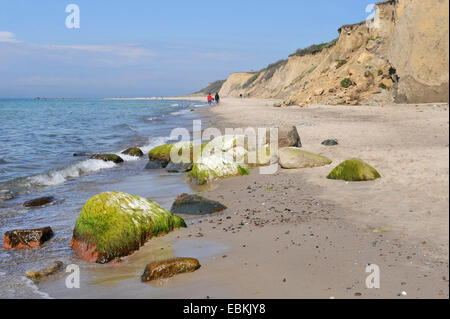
pixel 108 158
pixel 114 224
pixel 47 271
pixel 293 157
pixel 133 151
pixel 354 170
pixel 222 157
pixel 161 152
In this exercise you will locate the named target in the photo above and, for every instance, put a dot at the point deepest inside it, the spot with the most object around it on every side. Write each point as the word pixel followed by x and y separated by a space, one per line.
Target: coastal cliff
pixel 401 55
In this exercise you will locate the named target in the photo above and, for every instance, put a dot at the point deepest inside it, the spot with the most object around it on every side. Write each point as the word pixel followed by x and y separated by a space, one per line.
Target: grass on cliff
pixel 313 49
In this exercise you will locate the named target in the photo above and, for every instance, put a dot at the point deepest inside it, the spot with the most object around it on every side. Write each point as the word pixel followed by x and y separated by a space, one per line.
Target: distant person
pixel 210 99
pixel 240 95
pixel 217 98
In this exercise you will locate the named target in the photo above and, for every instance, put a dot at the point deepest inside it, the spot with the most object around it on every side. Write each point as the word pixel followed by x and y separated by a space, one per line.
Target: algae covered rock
pixel 114 224
pixel 169 268
pixel 133 151
pixel 222 157
pixel 354 170
pixel 161 152
pixel 293 157
pixel 195 205
pixel 44 272
pixel 108 158
pixel 160 156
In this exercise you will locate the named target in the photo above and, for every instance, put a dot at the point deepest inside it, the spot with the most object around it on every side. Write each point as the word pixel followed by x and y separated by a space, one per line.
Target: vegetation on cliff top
pixel 313 49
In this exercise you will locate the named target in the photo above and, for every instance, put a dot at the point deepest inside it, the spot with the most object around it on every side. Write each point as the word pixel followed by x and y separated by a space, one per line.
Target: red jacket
pixel 209 97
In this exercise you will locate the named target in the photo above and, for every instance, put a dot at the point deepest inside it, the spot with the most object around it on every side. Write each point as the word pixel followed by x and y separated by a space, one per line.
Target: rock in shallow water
pixel 38 201
pixel 133 151
pixel 354 170
pixel 293 157
pixel 169 268
pixel 179 167
pixel 108 158
pixel 115 224
pixel 47 271
pixel 156 164
pixel 26 238
pixel 195 205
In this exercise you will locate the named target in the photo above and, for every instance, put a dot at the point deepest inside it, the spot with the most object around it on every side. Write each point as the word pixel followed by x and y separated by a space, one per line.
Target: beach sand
pixel 296 234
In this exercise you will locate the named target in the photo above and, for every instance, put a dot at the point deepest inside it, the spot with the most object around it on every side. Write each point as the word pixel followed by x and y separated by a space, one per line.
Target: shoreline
pixel 294 234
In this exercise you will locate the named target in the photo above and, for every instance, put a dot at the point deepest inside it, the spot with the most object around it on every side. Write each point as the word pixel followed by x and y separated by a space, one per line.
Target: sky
pixel 140 48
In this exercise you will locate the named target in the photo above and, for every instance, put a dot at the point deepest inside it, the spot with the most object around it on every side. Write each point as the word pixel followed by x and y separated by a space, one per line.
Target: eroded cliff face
pixel 401 55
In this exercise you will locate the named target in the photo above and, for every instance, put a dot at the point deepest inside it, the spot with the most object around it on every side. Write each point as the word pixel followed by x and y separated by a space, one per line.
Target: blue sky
pixel 154 48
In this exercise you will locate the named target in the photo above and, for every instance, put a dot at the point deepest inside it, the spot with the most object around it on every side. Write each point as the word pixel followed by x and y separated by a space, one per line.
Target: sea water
pixel 38 141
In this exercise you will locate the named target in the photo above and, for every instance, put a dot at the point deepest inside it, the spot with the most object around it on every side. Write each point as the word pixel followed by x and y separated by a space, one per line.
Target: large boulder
pixel 287 136
pixel 115 224
pixel 26 238
pixel 195 205
pixel 293 157
pixel 222 157
pixel 38 201
pixel 161 152
pixel 160 156
pixel 169 268
pixel 133 151
pixel 108 158
pixel 354 170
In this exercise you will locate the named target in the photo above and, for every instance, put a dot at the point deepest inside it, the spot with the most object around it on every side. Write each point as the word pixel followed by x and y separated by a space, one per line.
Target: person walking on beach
pixel 217 98
pixel 209 98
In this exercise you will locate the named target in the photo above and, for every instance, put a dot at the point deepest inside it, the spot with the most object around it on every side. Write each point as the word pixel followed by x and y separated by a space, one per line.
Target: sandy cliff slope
pixel 400 55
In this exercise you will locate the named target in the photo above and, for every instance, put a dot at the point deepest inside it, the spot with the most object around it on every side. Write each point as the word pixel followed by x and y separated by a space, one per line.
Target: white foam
pixel 35 289
pixel 153 143
pixel 59 176
pixel 174 104
pixel 180 112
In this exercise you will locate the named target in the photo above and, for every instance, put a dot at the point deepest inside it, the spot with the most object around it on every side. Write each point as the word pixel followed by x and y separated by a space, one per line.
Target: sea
pixel 45 151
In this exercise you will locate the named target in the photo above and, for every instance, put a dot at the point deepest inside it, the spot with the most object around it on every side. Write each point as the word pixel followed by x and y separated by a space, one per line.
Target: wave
pixel 75 170
pixel 35 288
pixel 59 176
pixel 181 112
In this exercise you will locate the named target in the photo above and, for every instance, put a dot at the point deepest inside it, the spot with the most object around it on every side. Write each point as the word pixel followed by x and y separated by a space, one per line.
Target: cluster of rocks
pixel 226 157
pixel 132 151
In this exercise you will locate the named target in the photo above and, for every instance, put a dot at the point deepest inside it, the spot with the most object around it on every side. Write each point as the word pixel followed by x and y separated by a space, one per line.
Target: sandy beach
pixel 296 234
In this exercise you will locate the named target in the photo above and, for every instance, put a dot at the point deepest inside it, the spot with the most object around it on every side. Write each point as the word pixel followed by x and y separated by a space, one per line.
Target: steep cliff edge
pixel 401 55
